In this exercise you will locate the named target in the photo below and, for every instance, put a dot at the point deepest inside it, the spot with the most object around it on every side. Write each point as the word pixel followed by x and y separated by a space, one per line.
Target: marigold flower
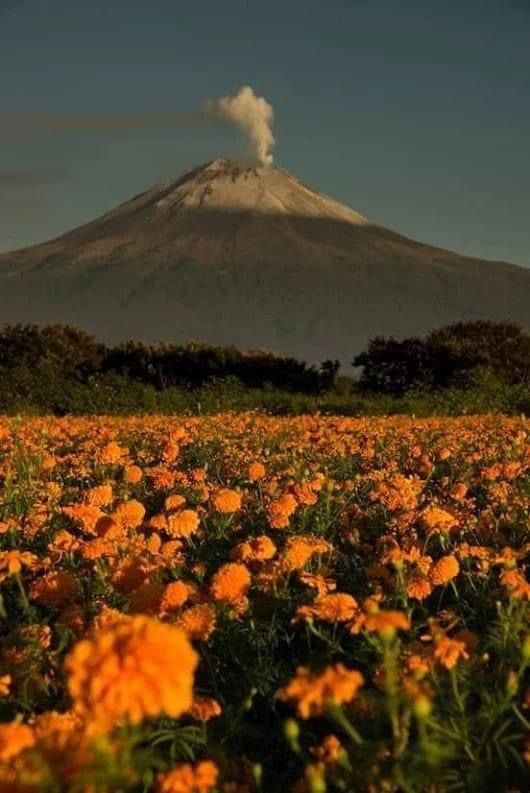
pixel 171 550
pixel 175 595
pixel 329 751
pixel 130 514
pixel 299 550
pixel 280 511
pixel 100 496
pixel 398 493
pixel 256 471
pixel 132 474
pixel 111 454
pixel 175 501
pixel 5 685
pixel 198 622
pixel 62 740
pixel 134 669
pixel 108 528
pixel 516 584
pixel 305 494
pixel 54 588
pixel 444 570
pixel 435 518
pixel 318 581
pixel 205 708
pixel 335 607
pixel 226 501
pixel 230 583
pixel 418 586
pixel 14 739
pixel 458 491
pixel 387 622
pixel 183 523
pixel 449 651
pixel 187 778
pixel 256 549
pixel 86 515
pixel 312 692
pixel 13 561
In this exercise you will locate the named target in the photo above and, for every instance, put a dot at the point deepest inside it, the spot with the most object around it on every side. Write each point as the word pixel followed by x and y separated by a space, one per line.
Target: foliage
pixel 447 357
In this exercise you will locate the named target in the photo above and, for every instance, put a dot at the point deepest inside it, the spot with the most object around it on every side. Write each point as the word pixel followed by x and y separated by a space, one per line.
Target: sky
pixel 416 113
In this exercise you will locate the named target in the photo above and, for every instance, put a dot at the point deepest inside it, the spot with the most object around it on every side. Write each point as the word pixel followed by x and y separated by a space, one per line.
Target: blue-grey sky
pixel 414 112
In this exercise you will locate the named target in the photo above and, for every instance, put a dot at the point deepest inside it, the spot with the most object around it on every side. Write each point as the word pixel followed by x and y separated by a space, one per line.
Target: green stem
pixel 23 596
pixel 337 715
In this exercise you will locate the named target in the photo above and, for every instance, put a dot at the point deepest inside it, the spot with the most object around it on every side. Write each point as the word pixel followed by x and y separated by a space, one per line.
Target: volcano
pixel 229 254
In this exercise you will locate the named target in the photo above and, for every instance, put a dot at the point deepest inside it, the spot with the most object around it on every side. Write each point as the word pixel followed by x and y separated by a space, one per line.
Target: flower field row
pixel 242 603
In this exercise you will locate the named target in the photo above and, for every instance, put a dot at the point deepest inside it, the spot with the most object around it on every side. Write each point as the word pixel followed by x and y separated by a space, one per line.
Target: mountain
pixel 235 255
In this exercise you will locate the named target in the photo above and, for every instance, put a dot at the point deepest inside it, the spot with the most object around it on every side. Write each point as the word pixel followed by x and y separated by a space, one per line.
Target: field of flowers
pixel 242 603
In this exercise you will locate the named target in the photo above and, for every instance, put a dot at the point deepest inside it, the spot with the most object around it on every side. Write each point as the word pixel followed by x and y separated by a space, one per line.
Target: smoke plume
pixel 252 114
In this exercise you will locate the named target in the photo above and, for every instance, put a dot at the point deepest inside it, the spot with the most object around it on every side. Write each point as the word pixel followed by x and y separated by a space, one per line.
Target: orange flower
pixel 54 589
pixel 256 549
pixel 183 523
pixel 516 584
pixel 444 570
pixel 305 494
pixel 14 739
pixel 130 514
pixel 174 502
pixel 226 501
pixel 256 471
pixel 299 550
pixel 311 693
pixel 329 751
pixel 132 474
pixel 449 651
pixel 280 511
pixel 5 685
pixel 435 518
pixel 205 708
pixel 198 622
pixel 418 586
pixel 186 778
pixel 87 515
pixel 13 561
pixel 175 595
pixel 230 583
pixel 385 623
pixel 129 671
pixel 111 454
pixel 459 491
pixel 336 607
pixel 100 496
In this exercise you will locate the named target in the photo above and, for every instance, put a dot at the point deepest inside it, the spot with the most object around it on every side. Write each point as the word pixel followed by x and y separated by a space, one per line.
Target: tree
pixel 450 356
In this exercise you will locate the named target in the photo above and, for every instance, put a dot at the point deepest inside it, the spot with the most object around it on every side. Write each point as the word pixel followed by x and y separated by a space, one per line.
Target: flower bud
pixel 422 707
pixel 291 730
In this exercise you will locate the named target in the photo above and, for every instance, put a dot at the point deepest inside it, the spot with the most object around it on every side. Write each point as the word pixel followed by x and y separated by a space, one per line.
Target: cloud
pixel 16 126
pixel 27 178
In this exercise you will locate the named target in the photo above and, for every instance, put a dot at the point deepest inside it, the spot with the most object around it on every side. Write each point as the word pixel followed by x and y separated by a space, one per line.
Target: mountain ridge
pixel 229 253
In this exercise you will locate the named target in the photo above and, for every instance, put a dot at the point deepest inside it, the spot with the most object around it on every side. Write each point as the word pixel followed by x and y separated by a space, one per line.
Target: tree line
pixel 451 357
pixel 464 367
pixel 73 353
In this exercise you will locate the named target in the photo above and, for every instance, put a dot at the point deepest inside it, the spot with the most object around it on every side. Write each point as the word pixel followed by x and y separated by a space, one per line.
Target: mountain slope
pixel 253 257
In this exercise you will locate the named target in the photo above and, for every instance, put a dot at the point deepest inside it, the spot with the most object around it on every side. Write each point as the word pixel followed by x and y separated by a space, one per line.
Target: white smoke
pixel 250 113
